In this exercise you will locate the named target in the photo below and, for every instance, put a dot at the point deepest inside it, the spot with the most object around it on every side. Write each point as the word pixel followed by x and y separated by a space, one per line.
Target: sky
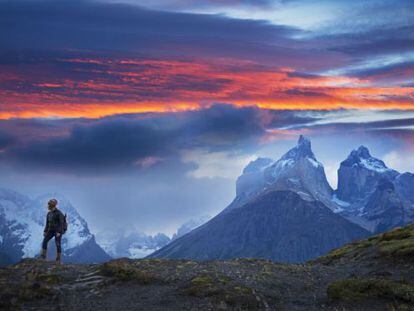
pixel 144 113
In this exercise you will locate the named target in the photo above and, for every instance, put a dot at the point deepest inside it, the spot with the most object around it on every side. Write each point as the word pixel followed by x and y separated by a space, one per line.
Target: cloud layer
pixel 94 59
pixel 156 106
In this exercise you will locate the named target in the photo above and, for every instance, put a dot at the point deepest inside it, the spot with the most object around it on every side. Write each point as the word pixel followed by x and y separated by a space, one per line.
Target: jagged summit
pixel 359 175
pixel 363 152
pixel 297 170
pixel 361 157
pixel 303 149
pixel 304 142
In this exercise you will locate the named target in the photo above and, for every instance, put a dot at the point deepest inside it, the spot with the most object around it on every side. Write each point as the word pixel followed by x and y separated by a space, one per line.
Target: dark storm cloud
pixel 110 144
pixel 377 41
pixel 108 28
pixel 132 141
pixel 223 126
pixel 394 73
pixel 6 140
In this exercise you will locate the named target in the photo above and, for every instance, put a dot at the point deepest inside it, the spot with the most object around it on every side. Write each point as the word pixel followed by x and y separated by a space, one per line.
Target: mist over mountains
pixel 22 220
pixel 131 243
pixel 285 210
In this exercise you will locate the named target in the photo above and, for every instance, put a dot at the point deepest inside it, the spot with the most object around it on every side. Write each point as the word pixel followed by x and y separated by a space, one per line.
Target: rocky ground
pixel 374 274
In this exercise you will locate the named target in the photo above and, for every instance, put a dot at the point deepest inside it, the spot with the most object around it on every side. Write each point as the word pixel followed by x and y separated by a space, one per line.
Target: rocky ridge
pixel 375 274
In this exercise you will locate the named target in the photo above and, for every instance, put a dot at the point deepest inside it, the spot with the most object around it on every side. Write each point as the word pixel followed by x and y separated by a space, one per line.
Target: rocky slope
pixel 277 225
pixel 22 222
pixel 373 274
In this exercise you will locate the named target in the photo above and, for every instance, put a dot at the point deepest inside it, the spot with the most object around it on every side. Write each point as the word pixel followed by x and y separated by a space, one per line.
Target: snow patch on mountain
pixel 372 164
pixel 315 163
pixel 340 205
pixel 361 157
pixel 340 202
pixel 297 170
pixel 28 231
pixel 280 166
pixel 130 242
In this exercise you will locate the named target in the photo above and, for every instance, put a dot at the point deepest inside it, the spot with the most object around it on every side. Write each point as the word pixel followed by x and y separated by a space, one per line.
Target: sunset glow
pixel 138 86
pixel 158 106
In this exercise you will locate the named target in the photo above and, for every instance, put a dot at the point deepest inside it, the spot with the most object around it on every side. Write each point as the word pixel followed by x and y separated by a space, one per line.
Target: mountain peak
pixel 363 152
pixel 301 150
pixel 360 173
pixel 304 141
pixel 361 157
pixel 304 147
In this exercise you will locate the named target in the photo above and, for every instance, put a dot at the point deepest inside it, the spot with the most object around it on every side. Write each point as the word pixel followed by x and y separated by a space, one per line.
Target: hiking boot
pixel 58 258
pixel 43 254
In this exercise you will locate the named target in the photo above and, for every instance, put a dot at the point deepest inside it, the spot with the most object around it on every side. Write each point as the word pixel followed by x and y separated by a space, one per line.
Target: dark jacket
pixel 54 221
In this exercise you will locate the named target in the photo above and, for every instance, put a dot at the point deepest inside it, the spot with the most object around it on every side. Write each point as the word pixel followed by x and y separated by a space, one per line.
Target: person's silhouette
pixel 54 228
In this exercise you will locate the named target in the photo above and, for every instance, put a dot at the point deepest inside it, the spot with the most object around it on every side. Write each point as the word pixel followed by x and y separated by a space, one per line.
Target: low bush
pixel 354 289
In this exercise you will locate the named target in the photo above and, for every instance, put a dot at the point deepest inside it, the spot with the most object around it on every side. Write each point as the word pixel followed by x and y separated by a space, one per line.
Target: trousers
pixel 49 235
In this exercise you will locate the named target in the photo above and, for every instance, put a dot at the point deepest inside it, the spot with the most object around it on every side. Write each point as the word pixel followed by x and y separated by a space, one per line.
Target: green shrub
pixel 397 234
pixel 398 249
pixel 202 285
pixel 123 271
pixel 370 288
pixel 335 254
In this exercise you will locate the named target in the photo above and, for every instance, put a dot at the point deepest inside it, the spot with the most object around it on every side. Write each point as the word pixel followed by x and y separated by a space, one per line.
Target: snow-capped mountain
pixel 359 174
pixel 283 210
pixel 22 222
pixel 298 170
pixel 130 243
pixel 372 195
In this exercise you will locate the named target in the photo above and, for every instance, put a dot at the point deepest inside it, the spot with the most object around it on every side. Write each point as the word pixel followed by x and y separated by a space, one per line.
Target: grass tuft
pixel 123 270
pixel 357 289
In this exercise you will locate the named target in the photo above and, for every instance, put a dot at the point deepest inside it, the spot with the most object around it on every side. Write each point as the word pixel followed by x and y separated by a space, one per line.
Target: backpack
pixel 65 225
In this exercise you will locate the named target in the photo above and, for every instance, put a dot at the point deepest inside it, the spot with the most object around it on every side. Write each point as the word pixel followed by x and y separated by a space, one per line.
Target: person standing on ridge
pixel 55 227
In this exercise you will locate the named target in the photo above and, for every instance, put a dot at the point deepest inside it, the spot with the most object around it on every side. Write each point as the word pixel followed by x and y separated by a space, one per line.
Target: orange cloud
pixel 95 88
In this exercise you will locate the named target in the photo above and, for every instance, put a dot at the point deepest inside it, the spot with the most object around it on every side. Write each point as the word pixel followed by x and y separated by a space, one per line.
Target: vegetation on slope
pixel 395 245
pixel 376 273
pixel 357 289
